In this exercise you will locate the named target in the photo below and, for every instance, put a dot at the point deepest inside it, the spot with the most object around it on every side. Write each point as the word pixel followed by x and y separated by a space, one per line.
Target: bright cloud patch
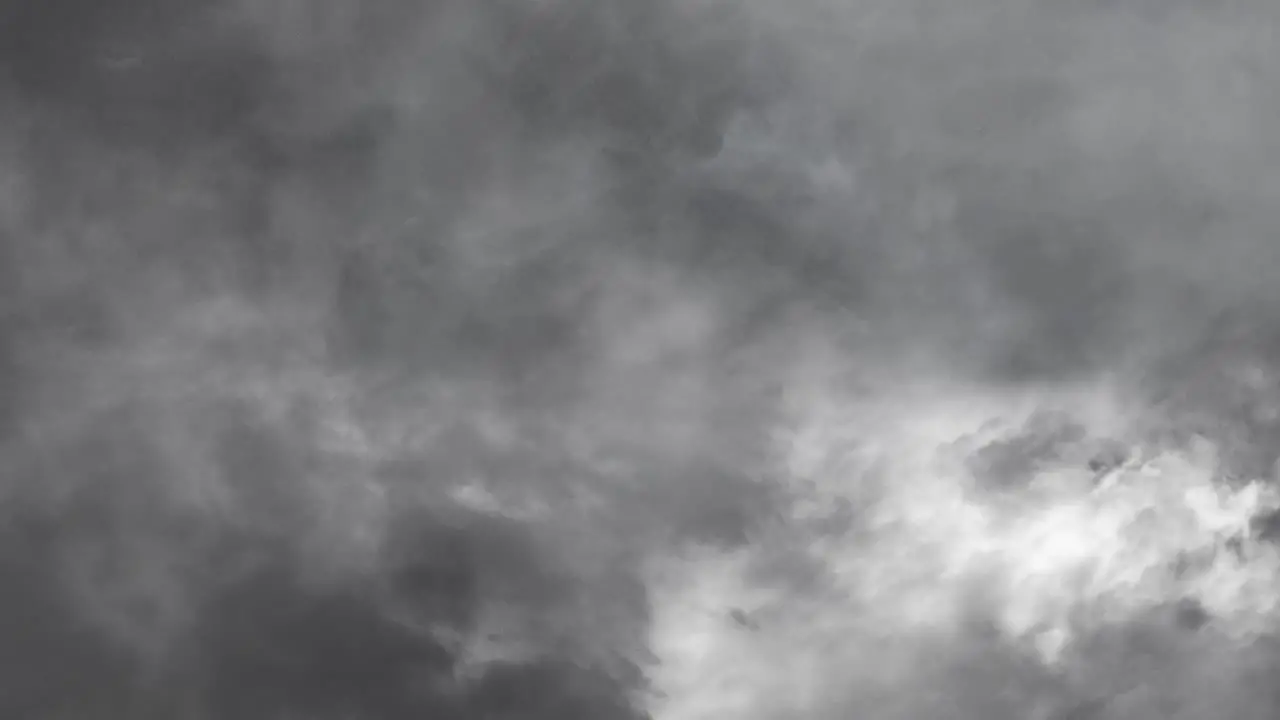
pixel 918 564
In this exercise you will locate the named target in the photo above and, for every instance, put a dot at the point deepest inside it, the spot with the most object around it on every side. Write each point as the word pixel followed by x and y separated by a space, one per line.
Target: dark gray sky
pixel 336 339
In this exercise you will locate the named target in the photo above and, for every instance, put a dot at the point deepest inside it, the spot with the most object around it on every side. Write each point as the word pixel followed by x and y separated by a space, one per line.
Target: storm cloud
pixel 677 359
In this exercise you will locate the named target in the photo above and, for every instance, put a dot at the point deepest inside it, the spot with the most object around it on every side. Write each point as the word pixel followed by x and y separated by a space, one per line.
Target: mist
pixel 663 360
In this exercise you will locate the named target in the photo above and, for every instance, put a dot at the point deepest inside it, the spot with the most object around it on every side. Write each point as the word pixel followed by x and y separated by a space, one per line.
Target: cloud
pixel 619 359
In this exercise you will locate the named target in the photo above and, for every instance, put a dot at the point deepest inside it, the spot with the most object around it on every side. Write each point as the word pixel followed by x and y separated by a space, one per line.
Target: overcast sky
pixel 637 358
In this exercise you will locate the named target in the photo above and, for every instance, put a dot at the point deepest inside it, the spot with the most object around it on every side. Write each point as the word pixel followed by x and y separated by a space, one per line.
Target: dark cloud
pixel 282 283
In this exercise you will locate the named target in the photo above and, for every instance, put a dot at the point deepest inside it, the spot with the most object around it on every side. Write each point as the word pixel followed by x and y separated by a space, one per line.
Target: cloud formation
pixel 676 359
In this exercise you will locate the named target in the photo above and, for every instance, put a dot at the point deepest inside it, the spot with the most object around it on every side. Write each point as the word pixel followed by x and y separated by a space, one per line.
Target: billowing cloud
pixel 682 359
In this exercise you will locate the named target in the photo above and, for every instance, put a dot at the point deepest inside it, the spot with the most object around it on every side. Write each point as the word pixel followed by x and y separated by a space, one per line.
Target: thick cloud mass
pixel 664 360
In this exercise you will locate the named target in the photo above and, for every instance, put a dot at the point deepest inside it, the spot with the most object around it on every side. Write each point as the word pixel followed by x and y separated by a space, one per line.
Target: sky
pixel 662 360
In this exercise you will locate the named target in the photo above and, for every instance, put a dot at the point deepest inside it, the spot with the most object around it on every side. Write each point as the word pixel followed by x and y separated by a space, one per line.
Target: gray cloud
pixel 282 283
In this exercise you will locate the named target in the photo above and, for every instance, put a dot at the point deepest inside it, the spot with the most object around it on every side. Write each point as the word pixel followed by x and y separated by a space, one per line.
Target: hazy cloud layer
pixel 681 359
